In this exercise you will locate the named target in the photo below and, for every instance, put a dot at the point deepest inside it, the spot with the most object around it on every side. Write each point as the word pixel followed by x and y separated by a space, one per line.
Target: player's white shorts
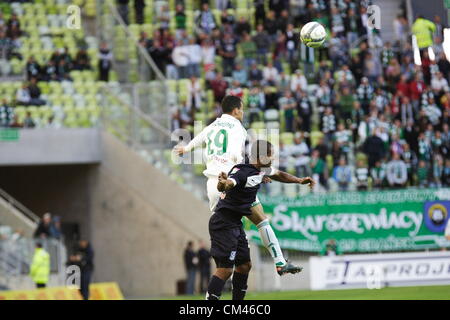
pixel 214 194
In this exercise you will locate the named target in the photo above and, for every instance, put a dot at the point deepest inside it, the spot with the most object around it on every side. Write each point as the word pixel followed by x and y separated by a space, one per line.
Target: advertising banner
pixel 413 219
pixel 98 291
pixel 375 271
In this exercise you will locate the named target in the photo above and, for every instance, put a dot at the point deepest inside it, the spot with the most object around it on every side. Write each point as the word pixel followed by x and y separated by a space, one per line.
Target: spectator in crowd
pixel 105 60
pixel 208 55
pixel 47 228
pixel 422 174
pixel 194 91
pixel 446 174
pixel 180 57
pixel 396 172
pixel 163 17
pixel 249 50
pixel 262 42
pixel 318 168
pixel 228 52
pixel 40 266
pixel 300 152
pixel 85 257
pixel 81 61
pixel 219 87
pixel 270 75
pixel 342 175
pixel 255 75
pixel 195 57
pixel 438 170
pixel 28 122
pixel 180 21
pixel 24 97
pixel 328 124
pixel 255 102
pixel 122 6
pixel 205 20
pixel 6 114
pixel 374 148
pixel 191 264
pixel 32 68
pixel 139 6
pixel 378 175
pixel 423 29
pixel 204 266
pixel 288 105
pixel 35 93
pixel 298 80
pixel 362 176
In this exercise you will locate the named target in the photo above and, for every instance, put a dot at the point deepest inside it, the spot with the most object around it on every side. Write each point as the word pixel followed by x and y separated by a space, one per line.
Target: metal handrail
pixel 144 116
pixel 19 206
pixel 144 53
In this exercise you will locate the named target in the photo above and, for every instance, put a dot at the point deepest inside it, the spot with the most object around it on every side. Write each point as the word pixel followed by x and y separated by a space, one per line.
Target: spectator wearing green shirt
pixel 180 21
pixel 345 101
pixel 422 174
pixel 248 49
pixel 318 168
pixel 288 104
pixel 255 103
pixel 378 174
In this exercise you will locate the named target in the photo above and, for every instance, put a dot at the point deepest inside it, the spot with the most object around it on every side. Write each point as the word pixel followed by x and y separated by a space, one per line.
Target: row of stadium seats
pixel 45 25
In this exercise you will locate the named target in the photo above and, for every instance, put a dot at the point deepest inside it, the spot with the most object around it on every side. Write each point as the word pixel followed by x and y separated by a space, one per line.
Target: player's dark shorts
pixel 229 245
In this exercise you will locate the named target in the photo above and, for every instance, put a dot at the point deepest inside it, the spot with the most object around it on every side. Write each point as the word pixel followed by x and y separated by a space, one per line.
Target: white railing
pixel 20 207
pixel 16 256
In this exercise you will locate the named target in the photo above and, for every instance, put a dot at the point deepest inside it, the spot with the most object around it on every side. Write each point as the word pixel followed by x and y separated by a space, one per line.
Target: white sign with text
pixel 374 271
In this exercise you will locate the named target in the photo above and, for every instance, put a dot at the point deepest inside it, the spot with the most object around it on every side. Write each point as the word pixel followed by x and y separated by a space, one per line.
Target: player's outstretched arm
pixel 285 177
pixel 196 142
pixel 224 183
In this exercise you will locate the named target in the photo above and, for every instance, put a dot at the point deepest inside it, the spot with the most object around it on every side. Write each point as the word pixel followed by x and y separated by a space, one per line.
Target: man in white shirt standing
pixel 396 172
pixel 225 144
pixel 180 56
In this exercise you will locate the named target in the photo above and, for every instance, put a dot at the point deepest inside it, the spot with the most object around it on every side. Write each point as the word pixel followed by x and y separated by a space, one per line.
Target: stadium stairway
pixel 389 11
pixel 142 220
pixel 14 214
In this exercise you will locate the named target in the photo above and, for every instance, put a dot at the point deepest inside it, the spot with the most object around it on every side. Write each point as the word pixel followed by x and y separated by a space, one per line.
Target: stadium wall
pixel 62 190
pixel 140 223
pixel 49 147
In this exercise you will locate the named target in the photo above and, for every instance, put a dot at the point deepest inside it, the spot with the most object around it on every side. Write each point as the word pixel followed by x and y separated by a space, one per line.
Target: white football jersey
pixel 225 143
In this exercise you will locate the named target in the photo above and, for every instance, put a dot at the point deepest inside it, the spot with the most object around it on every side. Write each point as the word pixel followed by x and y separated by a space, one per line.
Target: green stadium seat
pixel 287 138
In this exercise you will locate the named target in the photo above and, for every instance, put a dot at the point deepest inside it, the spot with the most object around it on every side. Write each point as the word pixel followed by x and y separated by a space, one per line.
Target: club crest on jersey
pixel 232 255
pixel 223 195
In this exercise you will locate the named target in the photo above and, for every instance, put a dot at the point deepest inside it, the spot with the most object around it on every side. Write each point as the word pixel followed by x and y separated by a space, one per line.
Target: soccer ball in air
pixel 313 34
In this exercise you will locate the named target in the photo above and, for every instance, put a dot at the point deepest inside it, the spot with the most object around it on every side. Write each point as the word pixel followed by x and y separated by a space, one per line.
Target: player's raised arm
pixel 224 183
pixel 285 177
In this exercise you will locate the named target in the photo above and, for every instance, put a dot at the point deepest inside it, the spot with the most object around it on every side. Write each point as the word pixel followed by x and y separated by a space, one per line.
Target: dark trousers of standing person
pixel 123 12
pixel 228 66
pixel 139 13
pixel 190 281
pixel 41 285
pixel 84 284
pixel 205 276
pixel 104 74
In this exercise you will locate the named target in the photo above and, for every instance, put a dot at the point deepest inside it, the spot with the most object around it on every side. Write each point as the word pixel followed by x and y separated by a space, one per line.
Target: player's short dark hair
pixel 229 103
pixel 261 148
